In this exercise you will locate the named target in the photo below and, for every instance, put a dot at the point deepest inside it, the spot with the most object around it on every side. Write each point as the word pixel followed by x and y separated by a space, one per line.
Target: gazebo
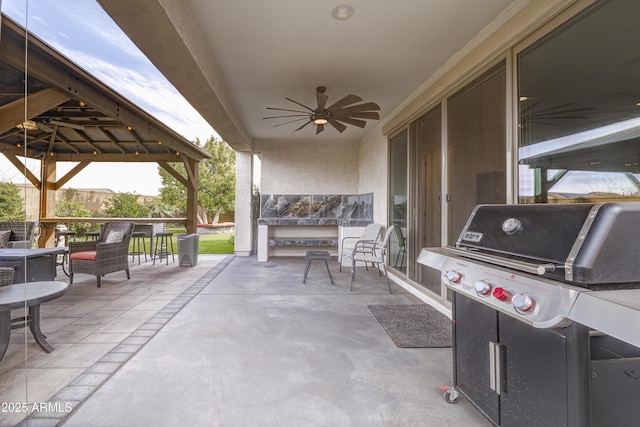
pixel 54 111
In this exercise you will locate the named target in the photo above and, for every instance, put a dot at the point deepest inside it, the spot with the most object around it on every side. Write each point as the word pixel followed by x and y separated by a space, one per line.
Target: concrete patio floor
pixel 229 342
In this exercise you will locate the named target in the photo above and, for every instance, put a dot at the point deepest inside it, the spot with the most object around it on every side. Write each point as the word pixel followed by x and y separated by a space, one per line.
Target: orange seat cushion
pixel 88 255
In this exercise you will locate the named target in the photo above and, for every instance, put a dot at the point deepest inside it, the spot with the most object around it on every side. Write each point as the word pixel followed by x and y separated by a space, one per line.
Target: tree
pixel 217 187
pixel 70 205
pixel 216 183
pixel 11 203
pixel 125 205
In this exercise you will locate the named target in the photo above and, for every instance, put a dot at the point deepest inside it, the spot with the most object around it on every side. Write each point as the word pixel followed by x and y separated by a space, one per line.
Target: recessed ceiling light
pixel 342 12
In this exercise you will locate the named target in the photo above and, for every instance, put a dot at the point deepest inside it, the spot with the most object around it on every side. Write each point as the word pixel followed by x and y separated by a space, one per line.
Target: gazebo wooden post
pixel 47 198
pixel 192 195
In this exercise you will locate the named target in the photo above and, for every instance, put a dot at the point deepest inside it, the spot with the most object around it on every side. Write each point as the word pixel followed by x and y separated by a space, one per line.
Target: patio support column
pixel 48 199
pixel 243 215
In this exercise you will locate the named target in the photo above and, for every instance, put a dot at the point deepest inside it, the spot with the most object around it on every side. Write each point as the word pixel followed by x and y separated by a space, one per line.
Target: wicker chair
pixel 6 276
pixel 21 233
pixel 107 254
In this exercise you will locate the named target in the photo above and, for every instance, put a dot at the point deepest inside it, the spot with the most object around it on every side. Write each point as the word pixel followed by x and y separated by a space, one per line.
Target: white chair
pixel 365 242
pixel 374 255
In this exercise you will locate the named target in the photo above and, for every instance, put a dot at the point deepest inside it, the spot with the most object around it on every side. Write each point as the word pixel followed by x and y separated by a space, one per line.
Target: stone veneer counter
pixel 297 223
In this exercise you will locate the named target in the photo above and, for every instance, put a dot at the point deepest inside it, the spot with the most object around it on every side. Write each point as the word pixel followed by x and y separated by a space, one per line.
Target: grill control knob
pixel 453 277
pixel 523 303
pixel 501 294
pixel 483 288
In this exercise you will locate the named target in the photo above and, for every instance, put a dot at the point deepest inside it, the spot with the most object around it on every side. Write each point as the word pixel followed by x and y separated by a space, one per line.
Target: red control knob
pixel 523 303
pixel 453 276
pixel 483 288
pixel 501 294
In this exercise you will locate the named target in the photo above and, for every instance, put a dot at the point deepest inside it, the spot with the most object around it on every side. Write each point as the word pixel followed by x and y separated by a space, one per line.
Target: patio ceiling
pixel 233 59
pixel 78 118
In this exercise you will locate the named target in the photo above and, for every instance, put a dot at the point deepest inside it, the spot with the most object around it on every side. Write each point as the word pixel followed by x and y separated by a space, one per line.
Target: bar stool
pixel 163 239
pixel 136 238
pixel 93 235
pixel 320 255
pixel 68 235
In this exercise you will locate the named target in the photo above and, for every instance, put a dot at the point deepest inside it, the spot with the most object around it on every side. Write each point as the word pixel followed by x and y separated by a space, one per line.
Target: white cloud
pixel 84 33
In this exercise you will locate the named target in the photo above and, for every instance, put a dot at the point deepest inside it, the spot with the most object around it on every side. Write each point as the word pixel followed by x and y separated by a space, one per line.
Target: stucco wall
pixel 308 167
pixel 373 155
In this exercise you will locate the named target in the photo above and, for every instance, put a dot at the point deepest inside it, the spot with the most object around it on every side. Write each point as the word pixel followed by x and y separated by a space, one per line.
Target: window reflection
pixel 579 109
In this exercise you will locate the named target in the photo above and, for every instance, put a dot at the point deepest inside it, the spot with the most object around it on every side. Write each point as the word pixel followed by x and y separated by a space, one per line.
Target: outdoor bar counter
pixel 50 223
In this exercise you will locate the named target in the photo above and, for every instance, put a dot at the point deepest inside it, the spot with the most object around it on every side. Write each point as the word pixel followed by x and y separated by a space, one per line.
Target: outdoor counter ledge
pixel 55 220
pixel 619 313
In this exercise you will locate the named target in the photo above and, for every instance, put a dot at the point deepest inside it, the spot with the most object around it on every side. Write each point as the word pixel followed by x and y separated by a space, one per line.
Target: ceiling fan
pixel 337 114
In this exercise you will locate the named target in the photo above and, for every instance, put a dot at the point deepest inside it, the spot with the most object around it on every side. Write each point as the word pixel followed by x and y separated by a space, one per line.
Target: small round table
pixel 31 294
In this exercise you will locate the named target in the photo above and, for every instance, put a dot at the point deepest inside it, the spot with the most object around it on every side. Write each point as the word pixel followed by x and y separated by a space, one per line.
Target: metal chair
pixel 365 242
pixel 402 246
pixel 364 252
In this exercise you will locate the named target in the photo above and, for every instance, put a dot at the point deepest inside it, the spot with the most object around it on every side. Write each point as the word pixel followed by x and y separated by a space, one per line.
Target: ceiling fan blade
pixel 296 102
pixel 286 109
pixel 367 106
pixel 359 115
pixel 290 121
pixel 322 100
pixel 288 115
pixel 303 126
pixel 319 129
pixel 347 100
pixel 339 126
pixel 352 121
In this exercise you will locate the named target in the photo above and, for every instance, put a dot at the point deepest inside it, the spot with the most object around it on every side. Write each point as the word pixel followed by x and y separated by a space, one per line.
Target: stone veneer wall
pixel 316 209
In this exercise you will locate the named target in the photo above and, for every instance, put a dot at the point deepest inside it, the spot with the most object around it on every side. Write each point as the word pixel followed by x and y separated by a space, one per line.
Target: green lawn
pixel 208 243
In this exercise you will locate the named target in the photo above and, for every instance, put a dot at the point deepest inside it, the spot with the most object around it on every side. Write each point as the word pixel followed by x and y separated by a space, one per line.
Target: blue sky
pixel 83 32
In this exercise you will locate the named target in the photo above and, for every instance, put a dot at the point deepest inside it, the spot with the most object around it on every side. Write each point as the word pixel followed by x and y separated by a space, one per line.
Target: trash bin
pixel 188 249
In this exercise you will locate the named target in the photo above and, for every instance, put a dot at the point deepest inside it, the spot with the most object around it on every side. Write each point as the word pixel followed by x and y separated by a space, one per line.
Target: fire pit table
pixel 31 295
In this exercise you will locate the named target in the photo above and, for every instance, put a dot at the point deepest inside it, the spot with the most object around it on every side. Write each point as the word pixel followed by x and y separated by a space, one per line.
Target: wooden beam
pixel 13 113
pixel 117 158
pixel 192 174
pixel 192 196
pixel 181 179
pixel 73 172
pixel 23 169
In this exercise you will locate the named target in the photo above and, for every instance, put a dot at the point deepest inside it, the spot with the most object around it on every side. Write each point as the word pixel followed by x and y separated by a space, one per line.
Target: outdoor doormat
pixel 414 325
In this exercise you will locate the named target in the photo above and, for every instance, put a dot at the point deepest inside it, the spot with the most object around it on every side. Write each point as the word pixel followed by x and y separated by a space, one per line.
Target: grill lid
pixel 593 243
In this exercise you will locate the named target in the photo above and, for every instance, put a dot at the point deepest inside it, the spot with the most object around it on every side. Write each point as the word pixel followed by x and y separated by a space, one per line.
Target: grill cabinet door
pixel 476 325
pixel 535 392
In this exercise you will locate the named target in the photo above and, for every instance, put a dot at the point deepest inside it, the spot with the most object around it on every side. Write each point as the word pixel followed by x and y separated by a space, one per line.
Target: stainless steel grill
pixel 533 261
pixel 536 288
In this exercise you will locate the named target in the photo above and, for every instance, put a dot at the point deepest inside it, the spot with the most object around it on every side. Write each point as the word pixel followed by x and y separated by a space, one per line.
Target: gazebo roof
pixel 77 117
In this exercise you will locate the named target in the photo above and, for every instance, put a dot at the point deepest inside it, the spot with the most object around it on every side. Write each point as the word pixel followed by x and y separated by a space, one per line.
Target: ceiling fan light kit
pixel 344 111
